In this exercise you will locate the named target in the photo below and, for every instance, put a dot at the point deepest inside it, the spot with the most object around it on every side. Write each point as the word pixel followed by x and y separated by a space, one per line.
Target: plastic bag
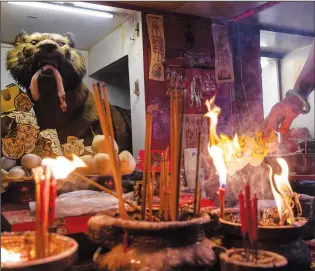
pixel 83 202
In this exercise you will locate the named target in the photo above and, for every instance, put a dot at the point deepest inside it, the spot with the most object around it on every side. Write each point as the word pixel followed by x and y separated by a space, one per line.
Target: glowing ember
pixel 284 196
pixel 61 167
pixel 9 256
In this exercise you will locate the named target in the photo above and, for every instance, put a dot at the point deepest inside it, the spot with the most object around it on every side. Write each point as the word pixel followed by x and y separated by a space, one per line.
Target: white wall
pixel 270 83
pixel 6 77
pixel 118 96
pixel 113 47
pixel 297 56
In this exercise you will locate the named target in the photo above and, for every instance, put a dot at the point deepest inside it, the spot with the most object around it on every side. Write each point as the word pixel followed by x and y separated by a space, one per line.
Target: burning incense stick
pixel 106 125
pixel 197 185
pixel 147 162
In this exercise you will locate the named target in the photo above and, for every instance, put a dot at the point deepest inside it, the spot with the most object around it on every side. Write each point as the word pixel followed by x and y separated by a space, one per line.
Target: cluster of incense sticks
pixel 45 209
pixel 169 183
pixel 248 215
pixel 103 109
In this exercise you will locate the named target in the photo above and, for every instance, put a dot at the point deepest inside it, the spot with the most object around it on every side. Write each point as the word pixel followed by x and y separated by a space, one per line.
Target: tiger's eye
pixel 61 43
pixel 34 42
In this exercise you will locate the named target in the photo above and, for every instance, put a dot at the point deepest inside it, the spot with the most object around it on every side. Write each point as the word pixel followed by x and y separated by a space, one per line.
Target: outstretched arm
pixel 284 112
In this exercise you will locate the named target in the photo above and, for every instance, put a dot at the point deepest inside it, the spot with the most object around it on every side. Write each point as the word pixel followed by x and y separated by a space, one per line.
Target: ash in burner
pixel 268 217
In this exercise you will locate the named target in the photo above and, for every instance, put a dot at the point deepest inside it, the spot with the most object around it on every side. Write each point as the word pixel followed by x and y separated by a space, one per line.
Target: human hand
pixel 281 115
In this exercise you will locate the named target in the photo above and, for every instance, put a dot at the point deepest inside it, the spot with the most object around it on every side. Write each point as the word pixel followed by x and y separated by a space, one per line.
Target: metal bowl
pixel 62 255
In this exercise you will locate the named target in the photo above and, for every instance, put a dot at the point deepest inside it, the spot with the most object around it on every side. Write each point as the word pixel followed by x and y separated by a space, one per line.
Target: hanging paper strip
pixel 193 124
pixel 223 56
pixel 157 42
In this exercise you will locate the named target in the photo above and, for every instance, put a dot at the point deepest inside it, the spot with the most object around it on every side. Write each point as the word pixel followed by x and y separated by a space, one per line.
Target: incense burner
pixel 63 252
pixel 178 245
pixel 284 240
pixel 241 259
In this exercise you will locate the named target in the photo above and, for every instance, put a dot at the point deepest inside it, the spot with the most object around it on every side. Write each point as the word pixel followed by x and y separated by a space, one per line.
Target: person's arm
pixel 283 113
pixel 305 83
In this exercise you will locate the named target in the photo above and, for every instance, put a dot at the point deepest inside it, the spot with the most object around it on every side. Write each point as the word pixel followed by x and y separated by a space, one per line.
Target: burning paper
pixel 284 196
pixel 231 155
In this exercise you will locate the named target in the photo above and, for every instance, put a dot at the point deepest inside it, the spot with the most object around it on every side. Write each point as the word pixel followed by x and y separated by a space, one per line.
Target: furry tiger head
pixel 31 52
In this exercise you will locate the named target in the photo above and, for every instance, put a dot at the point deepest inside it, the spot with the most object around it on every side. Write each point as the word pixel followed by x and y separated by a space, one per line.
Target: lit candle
pixel 221 193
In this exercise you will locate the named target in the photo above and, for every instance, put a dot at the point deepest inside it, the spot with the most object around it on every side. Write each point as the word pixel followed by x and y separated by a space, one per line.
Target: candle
pixel 248 211
pixel 243 218
pixel 221 193
pixel 254 212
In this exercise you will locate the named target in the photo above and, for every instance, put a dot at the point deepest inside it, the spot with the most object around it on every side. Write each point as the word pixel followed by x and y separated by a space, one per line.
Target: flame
pixel 284 196
pixel 219 163
pixel 237 152
pixel 61 167
pixel 222 149
pixel 9 256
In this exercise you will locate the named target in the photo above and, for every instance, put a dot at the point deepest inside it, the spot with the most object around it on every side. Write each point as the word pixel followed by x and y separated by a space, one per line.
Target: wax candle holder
pixel 18 252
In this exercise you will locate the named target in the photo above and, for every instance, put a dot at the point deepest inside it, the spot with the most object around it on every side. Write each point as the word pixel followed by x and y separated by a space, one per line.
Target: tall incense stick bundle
pixel 172 145
pixel 147 162
pixel 197 185
pixel 176 128
pixel 181 106
pixel 107 129
pixel 161 184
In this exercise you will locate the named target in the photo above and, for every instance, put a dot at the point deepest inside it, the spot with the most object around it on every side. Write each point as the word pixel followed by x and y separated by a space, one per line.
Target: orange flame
pixel 61 167
pixel 283 193
pixel 222 149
